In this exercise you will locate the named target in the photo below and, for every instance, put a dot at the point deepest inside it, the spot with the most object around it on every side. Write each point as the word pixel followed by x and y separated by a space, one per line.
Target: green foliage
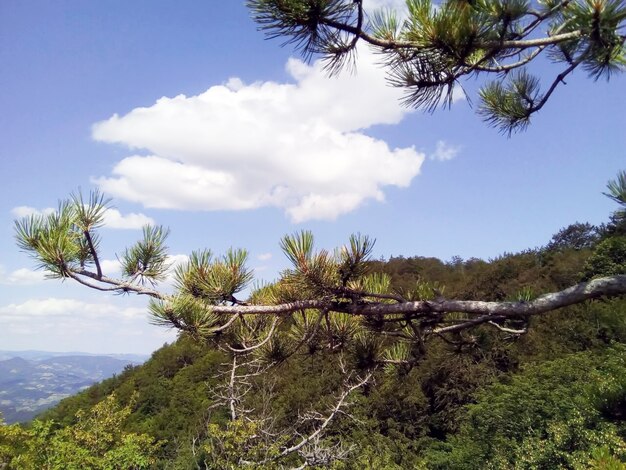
pixel 54 240
pixel 95 442
pixel 617 188
pixel 575 236
pixel 147 259
pixel 555 415
pixel 509 106
pixel 609 258
pixel 240 441
pixel 11 443
pixel 441 43
pixel 421 397
pixel 65 242
pixel 214 280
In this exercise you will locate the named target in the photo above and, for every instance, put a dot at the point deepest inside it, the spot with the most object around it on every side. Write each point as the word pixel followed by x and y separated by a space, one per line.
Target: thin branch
pixel 336 409
pixel 94 253
pixel 559 79
pixel 231 390
pixel 258 345
pixel 508 330
pixel 514 65
pixel 389 44
pixel 225 325
pixel 319 430
pixel 119 285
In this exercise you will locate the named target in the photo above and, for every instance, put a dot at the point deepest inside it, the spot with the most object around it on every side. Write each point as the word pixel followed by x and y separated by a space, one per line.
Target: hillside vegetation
pixel 551 398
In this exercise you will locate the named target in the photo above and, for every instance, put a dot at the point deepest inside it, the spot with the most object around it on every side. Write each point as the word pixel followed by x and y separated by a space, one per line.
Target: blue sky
pixel 189 118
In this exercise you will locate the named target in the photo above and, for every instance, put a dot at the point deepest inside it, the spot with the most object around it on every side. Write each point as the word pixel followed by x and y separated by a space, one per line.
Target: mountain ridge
pixel 29 385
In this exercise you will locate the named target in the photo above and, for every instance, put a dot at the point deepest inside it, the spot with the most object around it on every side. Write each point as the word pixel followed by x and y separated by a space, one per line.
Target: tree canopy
pixel 439 44
pixel 327 299
pixel 342 321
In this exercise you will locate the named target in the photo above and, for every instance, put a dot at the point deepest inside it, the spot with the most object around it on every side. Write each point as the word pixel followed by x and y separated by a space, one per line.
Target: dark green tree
pixel 577 236
pixel 562 414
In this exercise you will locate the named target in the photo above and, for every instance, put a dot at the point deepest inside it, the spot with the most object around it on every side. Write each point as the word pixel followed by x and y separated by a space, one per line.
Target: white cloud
pixel 445 151
pixel 110 266
pixel 113 218
pixel 299 146
pixel 24 276
pixel 59 307
pixel 27 211
pixel 64 324
pixel 264 256
pixel 21 277
pixel 397 5
pixel 174 262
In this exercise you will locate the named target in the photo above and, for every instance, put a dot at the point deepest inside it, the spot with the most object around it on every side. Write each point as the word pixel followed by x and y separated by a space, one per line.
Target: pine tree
pixel 438 45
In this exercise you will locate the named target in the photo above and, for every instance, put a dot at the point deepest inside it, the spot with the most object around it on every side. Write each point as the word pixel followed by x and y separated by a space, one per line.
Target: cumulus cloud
pixel 27 211
pixel 64 324
pixel 21 277
pixel 113 218
pixel 299 146
pixel 59 307
pixel 445 151
pixel 264 257
pixel 174 261
pixel 111 267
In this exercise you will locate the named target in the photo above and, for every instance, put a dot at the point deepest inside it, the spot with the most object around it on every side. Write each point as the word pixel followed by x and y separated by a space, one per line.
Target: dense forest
pixel 554 397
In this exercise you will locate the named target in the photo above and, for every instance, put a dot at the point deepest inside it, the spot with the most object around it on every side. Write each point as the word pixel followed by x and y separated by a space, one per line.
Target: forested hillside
pixel 553 397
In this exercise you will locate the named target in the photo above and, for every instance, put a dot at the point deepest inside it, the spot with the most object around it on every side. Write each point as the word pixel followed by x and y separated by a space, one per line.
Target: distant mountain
pixel 32 381
pixel 36 355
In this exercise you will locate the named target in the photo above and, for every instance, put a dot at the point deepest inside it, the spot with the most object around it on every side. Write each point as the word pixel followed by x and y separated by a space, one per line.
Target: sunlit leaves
pixel 90 213
pixel 425 290
pixel 617 188
pixel 341 328
pixel 305 328
pixel 397 354
pixel 214 280
pixel 64 240
pixel 266 294
pixel 374 283
pixel 252 330
pixel 508 107
pixel 385 24
pixel 54 240
pixel 185 313
pixel 321 273
pixel 352 258
pixel 97 440
pixel 526 294
pixel 602 47
pixel 298 248
pixel 147 259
